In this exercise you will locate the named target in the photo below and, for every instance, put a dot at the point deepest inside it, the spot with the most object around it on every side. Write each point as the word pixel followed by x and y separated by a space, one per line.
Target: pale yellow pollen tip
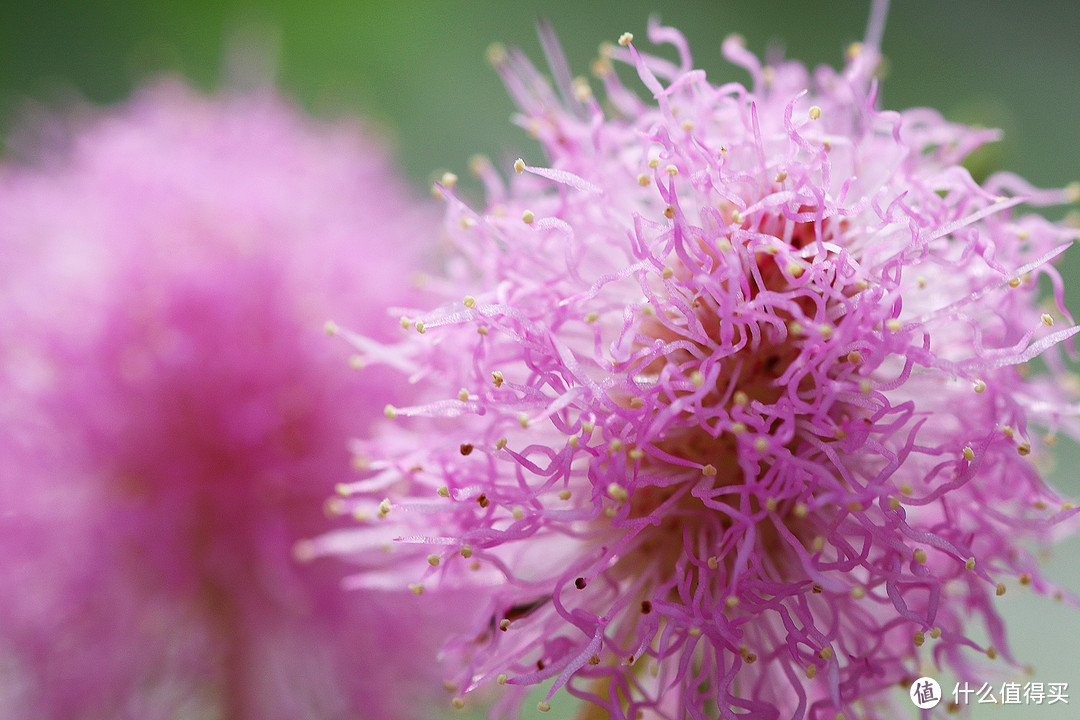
pixel 458 702
pixel 740 398
pixel 825 654
pixel 443 491
pixel 497 378
pixel 433 560
pixel 504 624
pixel 732 602
pixel 697 379
pixel 416 588
pixel 1014 282
pixel 919 639
pixel 671 170
pixel 592 316
pixel 667 273
pixel 626 38
pixel 528 217
pixel 643 179
pixel 615 445
pixel 713 562
pixel 564 494
pixel 1072 192
pixel 496 53
pixel 449 179
pixel 969 454
pixel 1000 589
pixel 331 327
pixel 920 556
pixel 617 492
pixel 1047 319
pixel 894 324
pixel 500 443
pixel 384 507
pixel 980 386
pixel 854 357
pixel 501 678
pixel 390 412
pixel 543 706
pixel 970 564
pixel 469 302
pixel 780 176
pixel 466 551
pixel 709 470
pixel 519 166
pixel 761 444
pixel 463 394
pixel 420 327
pixel 814 112
pixel 523 420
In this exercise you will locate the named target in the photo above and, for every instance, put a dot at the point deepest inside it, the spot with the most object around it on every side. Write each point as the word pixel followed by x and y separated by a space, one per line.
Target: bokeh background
pixel 417 69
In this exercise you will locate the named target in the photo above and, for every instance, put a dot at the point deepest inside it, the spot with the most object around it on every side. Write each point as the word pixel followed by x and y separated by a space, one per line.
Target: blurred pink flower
pixel 175 415
pixel 743 426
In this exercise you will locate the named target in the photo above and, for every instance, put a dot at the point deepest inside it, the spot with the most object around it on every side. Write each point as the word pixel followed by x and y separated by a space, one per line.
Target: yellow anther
pixel 858 593
pixel 1047 319
pixel 458 702
pixel 406 323
pixel 740 398
pixel 416 588
pixel 528 217
pixel 1000 590
pixel 919 555
pixel 826 653
pixel 671 170
pixel 523 420
pixel 654 163
pixel 331 327
pixel 449 179
pixel 667 273
pixel 980 386
pixel 390 411
pixel 1014 282
pixel 780 176
pixel 969 454
pixel 420 327
pixel 800 510
pixel 854 357
pixel 970 564
pixel 497 378
pixel 935 633
pixel 469 302
pixel 519 166
pixel 811 671
pixel 615 445
pixel 919 639
pixel 564 494
pixel 500 443
pixel 463 394
pixel 669 212
pixel 643 179
pixel 697 379
pixel 991 653
pixel 636 454
pixel 466 551
pixel 713 562
pixel 501 678
pixel 433 560
pixel 443 491
pixel 592 316
pixel 617 492
pixel 814 112
pixel 709 470
pixel 626 38
pixel 761 444
pixel 496 54
pixel 738 428
pixel 732 602
pixel 894 325
pixel 794 269
pixel 543 706
pixel 894 503
pixel 384 507
pixel 826 331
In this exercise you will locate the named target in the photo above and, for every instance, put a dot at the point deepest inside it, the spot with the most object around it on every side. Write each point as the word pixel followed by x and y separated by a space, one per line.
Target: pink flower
pixel 742 422
pixel 175 415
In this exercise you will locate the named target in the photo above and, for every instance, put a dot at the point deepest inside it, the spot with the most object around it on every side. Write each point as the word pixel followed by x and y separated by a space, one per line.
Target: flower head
pixel 175 415
pixel 742 421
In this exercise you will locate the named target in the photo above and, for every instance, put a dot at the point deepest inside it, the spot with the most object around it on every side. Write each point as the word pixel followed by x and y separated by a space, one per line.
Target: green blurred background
pixel 418 70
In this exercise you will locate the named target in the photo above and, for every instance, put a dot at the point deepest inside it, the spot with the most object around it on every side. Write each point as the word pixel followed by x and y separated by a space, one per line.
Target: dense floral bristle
pixel 753 352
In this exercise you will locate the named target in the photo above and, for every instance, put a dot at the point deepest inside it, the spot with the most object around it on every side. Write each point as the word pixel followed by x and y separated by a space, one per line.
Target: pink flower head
pixel 174 413
pixel 742 425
